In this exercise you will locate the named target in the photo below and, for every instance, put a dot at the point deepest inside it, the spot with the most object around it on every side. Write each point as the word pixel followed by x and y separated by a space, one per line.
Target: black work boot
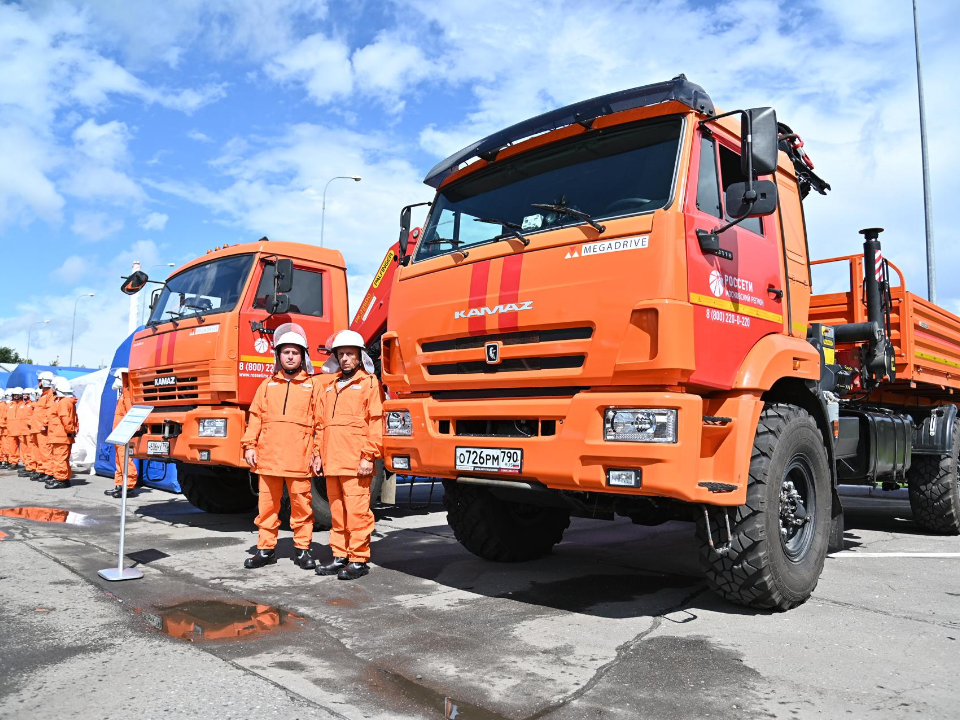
pixel 49 482
pixel 57 485
pixel 261 558
pixel 113 492
pixel 353 571
pixel 333 568
pixel 304 559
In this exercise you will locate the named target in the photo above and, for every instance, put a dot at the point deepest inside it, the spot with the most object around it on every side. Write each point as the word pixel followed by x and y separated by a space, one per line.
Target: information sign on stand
pixel 122 435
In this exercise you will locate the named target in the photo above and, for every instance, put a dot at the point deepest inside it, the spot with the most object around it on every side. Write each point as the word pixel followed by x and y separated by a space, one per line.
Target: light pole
pixel 73 330
pixel 927 203
pixel 142 301
pixel 323 209
pixel 30 330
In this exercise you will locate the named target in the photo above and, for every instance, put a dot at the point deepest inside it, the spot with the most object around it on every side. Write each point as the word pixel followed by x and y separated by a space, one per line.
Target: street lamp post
pixel 323 209
pixel 73 330
pixel 30 330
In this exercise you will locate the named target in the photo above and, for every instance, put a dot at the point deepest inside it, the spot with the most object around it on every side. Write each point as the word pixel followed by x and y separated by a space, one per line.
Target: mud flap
pixel 835 543
pixel 388 491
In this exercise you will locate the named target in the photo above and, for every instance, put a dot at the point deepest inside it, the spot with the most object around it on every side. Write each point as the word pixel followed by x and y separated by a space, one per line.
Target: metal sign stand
pixel 121 436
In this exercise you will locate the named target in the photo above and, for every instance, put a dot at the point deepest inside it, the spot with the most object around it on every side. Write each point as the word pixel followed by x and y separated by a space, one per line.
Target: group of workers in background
pixel 300 426
pixel 37 429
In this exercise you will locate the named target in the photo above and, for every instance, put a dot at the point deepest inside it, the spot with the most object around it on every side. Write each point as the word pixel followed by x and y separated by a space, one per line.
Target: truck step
pixel 717 487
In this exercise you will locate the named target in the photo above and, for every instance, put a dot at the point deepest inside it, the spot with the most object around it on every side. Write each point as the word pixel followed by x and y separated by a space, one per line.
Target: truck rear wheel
pixel 779 537
pixel 498 530
pixel 934 488
pixel 217 490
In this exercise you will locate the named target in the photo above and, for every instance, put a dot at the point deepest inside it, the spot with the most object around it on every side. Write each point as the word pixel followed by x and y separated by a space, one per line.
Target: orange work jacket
pixel 43 408
pixel 281 425
pixel 24 414
pixel 4 412
pixel 62 423
pixel 351 423
pixel 124 403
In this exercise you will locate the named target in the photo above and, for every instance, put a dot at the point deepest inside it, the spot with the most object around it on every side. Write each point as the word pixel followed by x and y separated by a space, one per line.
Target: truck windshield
pixel 624 171
pixel 213 287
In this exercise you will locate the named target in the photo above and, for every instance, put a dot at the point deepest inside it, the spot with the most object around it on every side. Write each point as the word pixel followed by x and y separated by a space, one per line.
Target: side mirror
pixel 134 283
pixel 283 280
pixel 759 138
pixel 762 202
pixel 154 297
pixel 404 231
pixel 278 304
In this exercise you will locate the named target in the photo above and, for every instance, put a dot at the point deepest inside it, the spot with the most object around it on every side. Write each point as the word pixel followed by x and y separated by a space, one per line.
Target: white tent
pixel 89 389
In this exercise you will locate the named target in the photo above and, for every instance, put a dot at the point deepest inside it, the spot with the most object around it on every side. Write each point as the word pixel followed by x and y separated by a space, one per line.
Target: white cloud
pixel 199 136
pixel 72 270
pixel 105 144
pixel 322 64
pixel 154 221
pixel 95 225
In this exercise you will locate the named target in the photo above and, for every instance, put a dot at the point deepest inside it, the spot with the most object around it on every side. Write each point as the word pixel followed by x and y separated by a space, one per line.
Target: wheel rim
pixel 798 507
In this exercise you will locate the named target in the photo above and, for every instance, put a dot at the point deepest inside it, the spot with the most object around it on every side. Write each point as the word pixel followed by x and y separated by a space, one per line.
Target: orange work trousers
pixel 59 466
pixel 301 511
pixel 11 448
pixel 4 447
pixel 44 454
pixel 352 520
pixel 118 469
pixel 30 451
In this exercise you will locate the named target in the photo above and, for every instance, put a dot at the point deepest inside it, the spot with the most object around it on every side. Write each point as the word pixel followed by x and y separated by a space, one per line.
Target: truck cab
pixel 207 346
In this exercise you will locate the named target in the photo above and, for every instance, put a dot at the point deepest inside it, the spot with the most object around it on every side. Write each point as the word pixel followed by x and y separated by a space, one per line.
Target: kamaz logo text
pixel 165 380
pixel 481 311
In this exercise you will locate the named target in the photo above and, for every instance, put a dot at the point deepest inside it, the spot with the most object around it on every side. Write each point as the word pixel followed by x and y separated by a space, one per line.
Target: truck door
pixel 310 307
pixel 735 303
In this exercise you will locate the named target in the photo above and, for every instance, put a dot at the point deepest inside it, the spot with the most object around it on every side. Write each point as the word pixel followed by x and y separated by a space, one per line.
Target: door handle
pixel 776 292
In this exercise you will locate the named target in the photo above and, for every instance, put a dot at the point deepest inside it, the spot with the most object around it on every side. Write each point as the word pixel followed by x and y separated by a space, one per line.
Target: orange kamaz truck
pixel 208 344
pixel 609 312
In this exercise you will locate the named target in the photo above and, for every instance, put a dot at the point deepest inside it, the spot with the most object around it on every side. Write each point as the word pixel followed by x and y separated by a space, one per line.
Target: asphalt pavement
pixel 616 623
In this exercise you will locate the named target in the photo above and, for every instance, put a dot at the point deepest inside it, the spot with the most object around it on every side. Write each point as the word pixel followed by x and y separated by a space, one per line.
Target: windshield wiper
pixel 513 229
pixel 175 320
pixel 440 241
pixel 579 214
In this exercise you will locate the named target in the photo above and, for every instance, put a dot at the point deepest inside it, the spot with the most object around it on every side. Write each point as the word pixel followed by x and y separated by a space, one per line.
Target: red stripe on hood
pixel 479 278
pixel 170 346
pixel 510 290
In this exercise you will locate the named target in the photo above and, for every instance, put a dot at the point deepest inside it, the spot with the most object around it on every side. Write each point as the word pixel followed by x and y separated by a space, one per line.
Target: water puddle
pixel 47 515
pixel 424 697
pixel 199 620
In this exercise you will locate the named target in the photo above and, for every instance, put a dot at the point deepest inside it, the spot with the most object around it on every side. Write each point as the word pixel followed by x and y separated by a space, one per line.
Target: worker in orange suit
pixel 350 439
pixel 44 407
pixel 13 429
pixel 4 444
pixel 121 383
pixel 28 438
pixel 279 445
pixel 61 430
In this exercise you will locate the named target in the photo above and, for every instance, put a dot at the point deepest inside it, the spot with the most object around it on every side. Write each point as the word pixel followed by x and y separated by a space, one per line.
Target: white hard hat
pixel 62 386
pixel 18 391
pixel 347 338
pixel 46 379
pixel 291 334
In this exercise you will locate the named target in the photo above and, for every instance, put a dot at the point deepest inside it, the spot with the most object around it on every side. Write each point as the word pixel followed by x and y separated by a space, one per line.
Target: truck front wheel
pixel 779 537
pixel 217 490
pixel 934 489
pixel 498 530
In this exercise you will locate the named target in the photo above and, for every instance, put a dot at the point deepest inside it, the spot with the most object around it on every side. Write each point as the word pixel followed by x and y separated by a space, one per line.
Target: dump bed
pixel 926 338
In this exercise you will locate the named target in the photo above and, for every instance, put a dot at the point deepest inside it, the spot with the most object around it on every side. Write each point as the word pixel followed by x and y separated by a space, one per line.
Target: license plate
pixel 503 460
pixel 158 447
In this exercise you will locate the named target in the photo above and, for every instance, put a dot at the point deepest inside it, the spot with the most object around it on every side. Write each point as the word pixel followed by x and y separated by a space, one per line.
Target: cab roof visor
pixel 583 113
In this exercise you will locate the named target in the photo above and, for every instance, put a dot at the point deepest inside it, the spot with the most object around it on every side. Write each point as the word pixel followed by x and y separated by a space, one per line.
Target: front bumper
pixel 576 457
pixel 187 445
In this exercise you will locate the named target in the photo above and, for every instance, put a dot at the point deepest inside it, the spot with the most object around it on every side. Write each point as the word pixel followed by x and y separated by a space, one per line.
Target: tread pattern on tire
pixel 744 576
pixel 197 490
pixel 480 523
pixel 934 491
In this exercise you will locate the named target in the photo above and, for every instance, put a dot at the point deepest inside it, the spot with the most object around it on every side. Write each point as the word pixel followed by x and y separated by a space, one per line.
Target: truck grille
pixel 562 362
pixel 524 337
pixel 192 382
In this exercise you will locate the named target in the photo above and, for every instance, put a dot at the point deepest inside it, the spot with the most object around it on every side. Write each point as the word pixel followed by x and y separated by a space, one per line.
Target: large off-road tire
pixel 322 519
pixel 934 489
pixel 498 530
pixel 773 563
pixel 217 490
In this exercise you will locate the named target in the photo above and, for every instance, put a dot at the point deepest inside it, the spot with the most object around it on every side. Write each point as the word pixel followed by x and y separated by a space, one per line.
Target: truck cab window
pixel 206 289
pixel 708 185
pixel 306 298
pixel 730 173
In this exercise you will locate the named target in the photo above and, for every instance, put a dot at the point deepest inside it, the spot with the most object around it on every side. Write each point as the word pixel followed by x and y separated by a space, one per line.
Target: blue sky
pixel 152 131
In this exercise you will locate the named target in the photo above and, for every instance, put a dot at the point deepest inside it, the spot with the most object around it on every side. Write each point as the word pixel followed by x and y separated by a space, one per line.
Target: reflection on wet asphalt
pixel 219 620
pixel 47 515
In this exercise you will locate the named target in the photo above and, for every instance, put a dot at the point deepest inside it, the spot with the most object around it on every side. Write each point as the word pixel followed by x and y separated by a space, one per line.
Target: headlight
pixel 399 423
pixel 213 427
pixel 650 425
